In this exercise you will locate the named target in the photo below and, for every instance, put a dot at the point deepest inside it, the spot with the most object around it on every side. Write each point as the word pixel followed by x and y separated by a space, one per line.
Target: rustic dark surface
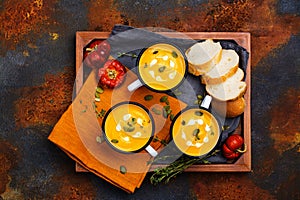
pixel 37 63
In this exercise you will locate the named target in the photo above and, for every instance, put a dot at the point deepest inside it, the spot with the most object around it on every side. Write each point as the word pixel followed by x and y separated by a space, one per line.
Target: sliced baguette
pixel 203 56
pixel 237 76
pixel 227 66
pixel 232 88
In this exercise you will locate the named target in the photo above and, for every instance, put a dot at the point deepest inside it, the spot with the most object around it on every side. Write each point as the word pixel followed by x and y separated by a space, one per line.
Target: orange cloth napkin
pixel 77 130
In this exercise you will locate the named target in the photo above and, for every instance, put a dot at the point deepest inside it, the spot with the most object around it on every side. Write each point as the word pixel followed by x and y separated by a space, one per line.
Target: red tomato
pixel 96 53
pixel 232 148
pixel 112 74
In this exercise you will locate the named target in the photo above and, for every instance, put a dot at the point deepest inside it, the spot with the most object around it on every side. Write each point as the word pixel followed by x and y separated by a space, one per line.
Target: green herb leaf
pixel 127 54
pixel 101 113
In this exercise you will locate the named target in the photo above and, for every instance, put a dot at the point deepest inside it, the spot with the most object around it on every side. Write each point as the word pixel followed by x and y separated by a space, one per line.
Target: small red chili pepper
pixel 232 148
pixel 96 53
pixel 112 74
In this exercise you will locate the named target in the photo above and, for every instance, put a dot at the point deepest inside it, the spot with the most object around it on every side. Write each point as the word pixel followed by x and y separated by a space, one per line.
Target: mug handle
pixel 151 151
pixel 206 102
pixel 134 85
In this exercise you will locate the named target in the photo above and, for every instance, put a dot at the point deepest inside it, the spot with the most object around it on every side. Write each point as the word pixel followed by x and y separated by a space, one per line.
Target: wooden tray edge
pixel 243 39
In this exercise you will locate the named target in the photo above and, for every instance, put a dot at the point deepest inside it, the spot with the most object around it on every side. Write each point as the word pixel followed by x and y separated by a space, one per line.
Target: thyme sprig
pixel 127 54
pixel 165 174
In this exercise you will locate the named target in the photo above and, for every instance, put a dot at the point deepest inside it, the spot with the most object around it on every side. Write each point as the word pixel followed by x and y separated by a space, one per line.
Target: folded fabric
pixel 77 131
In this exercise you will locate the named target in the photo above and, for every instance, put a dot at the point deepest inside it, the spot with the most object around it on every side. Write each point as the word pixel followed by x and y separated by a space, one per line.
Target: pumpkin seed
pixel 172 117
pixel 199 97
pixel 155 52
pixel 161 69
pixel 196 131
pixel 198 113
pixel 169 111
pixel 114 141
pixel 177 92
pixel 123 169
pixel 129 128
pixel 225 127
pixel 163 99
pixel 156 111
pixel 97 95
pixel 167 107
pixel 99 90
pixel 133 120
pixel 183 122
pixel 196 102
pixel 100 139
pixel 148 97
pixel 165 114
pixel 167 102
pixel 102 112
pixel 174 54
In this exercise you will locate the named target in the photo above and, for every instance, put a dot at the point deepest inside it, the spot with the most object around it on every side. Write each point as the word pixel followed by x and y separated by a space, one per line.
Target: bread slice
pixel 237 76
pixel 203 56
pixel 232 108
pixel 232 88
pixel 227 66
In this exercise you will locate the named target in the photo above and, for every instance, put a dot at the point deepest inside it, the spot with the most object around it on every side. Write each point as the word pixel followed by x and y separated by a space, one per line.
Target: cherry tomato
pixel 112 74
pixel 232 148
pixel 96 53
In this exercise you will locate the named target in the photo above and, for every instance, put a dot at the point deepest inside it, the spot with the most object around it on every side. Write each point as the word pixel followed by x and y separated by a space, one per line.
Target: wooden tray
pixel 243 164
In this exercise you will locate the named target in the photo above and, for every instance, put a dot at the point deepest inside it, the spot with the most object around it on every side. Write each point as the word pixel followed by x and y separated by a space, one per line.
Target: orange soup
pixel 128 127
pixel 162 67
pixel 195 132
